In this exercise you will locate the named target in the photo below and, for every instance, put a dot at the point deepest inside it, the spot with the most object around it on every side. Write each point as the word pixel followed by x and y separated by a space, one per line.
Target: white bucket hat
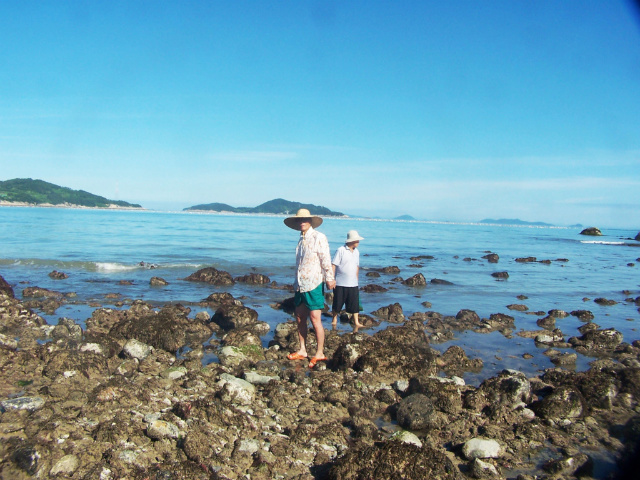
pixel 292 222
pixel 352 236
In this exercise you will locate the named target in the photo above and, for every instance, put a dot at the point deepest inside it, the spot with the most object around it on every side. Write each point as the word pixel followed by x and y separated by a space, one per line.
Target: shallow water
pixel 99 248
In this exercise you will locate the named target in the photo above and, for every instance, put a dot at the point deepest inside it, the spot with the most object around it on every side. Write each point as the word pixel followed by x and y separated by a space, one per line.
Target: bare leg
pixel 357 320
pixel 316 321
pixel 302 313
pixel 334 322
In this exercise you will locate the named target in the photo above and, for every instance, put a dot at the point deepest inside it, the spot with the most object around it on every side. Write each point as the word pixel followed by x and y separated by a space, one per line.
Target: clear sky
pixel 443 110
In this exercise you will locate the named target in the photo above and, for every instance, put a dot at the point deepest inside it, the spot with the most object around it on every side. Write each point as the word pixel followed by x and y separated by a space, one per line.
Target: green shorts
pixel 313 300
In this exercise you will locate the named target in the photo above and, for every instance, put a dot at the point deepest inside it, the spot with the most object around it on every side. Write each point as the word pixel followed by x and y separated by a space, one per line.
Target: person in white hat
pixel 313 269
pixel 346 267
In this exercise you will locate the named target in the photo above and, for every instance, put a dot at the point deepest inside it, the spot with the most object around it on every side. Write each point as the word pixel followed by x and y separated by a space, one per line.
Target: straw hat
pixel 292 222
pixel 352 236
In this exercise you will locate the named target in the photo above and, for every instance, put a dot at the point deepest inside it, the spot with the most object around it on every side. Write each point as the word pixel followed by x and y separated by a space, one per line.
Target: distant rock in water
pixel 592 231
pixel 638 237
pixel 404 217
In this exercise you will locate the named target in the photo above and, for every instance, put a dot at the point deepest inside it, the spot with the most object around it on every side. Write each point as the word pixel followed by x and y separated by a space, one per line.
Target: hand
pixel 331 285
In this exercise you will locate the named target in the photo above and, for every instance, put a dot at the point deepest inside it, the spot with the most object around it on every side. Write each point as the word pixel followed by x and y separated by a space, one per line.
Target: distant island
pixel 26 191
pixel 277 206
pixel 514 221
pixel 404 217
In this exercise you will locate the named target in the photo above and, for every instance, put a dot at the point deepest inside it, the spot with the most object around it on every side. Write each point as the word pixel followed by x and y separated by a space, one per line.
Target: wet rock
pixel 502 275
pixel 37 292
pixel 218 299
pixel 526 259
pixel 392 270
pixel 605 302
pixel 373 288
pixel 417 280
pixel 598 340
pixel 562 403
pixel 26 459
pixel 56 275
pixel 591 231
pixel 5 288
pixel 557 313
pixel 417 412
pixel 394 460
pixel 579 465
pixel 492 257
pixel 443 392
pixel 439 281
pixel 518 307
pixel 510 389
pixel 422 257
pixel 468 316
pixel 67 329
pixel 234 316
pixel 158 282
pixel 454 361
pixel 391 313
pixel 159 429
pixel 373 274
pixel 481 448
pixel 212 276
pixel 583 315
pixel 548 322
pixel 253 279
pixel 236 390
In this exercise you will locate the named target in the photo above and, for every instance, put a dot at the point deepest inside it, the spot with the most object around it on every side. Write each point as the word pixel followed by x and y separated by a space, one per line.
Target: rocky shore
pixel 129 397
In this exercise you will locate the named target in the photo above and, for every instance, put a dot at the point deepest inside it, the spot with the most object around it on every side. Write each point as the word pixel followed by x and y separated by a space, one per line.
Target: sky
pixel 442 110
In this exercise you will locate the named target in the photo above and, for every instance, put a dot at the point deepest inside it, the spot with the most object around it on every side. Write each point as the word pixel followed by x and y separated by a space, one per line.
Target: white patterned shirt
pixel 313 261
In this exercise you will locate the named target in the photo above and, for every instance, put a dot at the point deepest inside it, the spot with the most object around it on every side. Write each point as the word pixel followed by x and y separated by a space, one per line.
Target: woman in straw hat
pixel 313 268
pixel 346 267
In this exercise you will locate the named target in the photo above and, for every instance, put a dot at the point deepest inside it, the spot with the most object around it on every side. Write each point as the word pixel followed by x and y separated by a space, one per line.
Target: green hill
pixel 37 192
pixel 277 206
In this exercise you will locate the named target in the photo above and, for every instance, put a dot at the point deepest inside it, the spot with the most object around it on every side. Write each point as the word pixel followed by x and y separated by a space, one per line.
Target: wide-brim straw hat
pixel 352 236
pixel 292 222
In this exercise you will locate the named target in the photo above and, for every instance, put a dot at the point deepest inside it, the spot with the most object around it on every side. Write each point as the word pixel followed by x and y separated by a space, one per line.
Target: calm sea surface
pixel 99 248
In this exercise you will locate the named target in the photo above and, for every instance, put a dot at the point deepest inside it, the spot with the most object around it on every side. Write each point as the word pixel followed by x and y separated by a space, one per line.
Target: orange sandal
pixel 295 356
pixel 315 360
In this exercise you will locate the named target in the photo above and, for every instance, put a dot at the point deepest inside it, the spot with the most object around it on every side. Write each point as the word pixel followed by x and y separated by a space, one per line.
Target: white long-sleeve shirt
pixel 313 261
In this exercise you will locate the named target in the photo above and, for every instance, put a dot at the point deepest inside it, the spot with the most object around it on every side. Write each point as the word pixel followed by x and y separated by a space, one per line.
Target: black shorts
pixel 347 296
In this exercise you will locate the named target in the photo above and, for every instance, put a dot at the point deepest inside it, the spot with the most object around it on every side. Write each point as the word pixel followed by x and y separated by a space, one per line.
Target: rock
pixel 236 390
pixel 37 292
pixel 580 465
pixel 27 459
pixel 417 280
pixel 562 403
pixel 598 340
pixel 591 231
pixel 492 257
pixel 372 288
pixel 526 259
pixel 583 315
pixel 394 460
pixel 605 302
pixel 481 448
pixel 468 316
pixel 518 307
pixel 234 316
pixel 391 313
pixel 257 379
pixel 373 274
pixel 417 412
pixel 159 429
pixel 31 404
pixel 393 270
pixel 212 276
pixel 439 281
pixel 5 288
pixel 158 282
pixel 218 299
pixel 66 465
pixel 407 437
pixel 136 349
pixel 558 313
pixel 253 279
pixel 58 275
pixel 637 237
pixel 503 275
pixel 480 469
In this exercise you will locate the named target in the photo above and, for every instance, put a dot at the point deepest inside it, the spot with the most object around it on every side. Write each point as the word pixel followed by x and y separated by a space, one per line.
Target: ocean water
pixel 100 248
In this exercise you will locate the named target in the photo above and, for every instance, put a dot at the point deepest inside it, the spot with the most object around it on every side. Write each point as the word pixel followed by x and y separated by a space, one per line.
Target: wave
pixel 602 242
pixel 99 267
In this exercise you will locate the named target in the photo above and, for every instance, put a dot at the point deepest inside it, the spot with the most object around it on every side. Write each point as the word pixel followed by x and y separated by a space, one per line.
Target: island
pixel 514 221
pixel 29 192
pixel 277 206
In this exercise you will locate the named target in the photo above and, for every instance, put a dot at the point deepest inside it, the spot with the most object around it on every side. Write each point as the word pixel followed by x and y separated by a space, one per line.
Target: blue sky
pixel 456 110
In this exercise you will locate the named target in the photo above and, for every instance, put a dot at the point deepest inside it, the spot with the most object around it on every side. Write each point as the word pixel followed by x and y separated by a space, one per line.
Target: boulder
pixel 391 313
pixel 591 231
pixel 563 403
pixel 394 460
pixel 253 279
pixel 417 412
pixel 417 280
pixel 158 282
pixel 503 275
pixel 5 288
pixel 439 281
pixel 56 275
pixel 212 276
pixel 234 316
pixel 492 257
pixel 481 448
pixel 372 288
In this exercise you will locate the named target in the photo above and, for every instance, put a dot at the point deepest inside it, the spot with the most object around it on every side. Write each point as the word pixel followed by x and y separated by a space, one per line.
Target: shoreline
pixel 4 203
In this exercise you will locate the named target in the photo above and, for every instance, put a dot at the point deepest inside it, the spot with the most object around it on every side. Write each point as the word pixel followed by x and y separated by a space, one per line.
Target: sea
pixel 111 255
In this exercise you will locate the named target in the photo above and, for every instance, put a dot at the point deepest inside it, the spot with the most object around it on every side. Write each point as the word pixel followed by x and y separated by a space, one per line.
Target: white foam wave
pixel 602 242
pixel 109 267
